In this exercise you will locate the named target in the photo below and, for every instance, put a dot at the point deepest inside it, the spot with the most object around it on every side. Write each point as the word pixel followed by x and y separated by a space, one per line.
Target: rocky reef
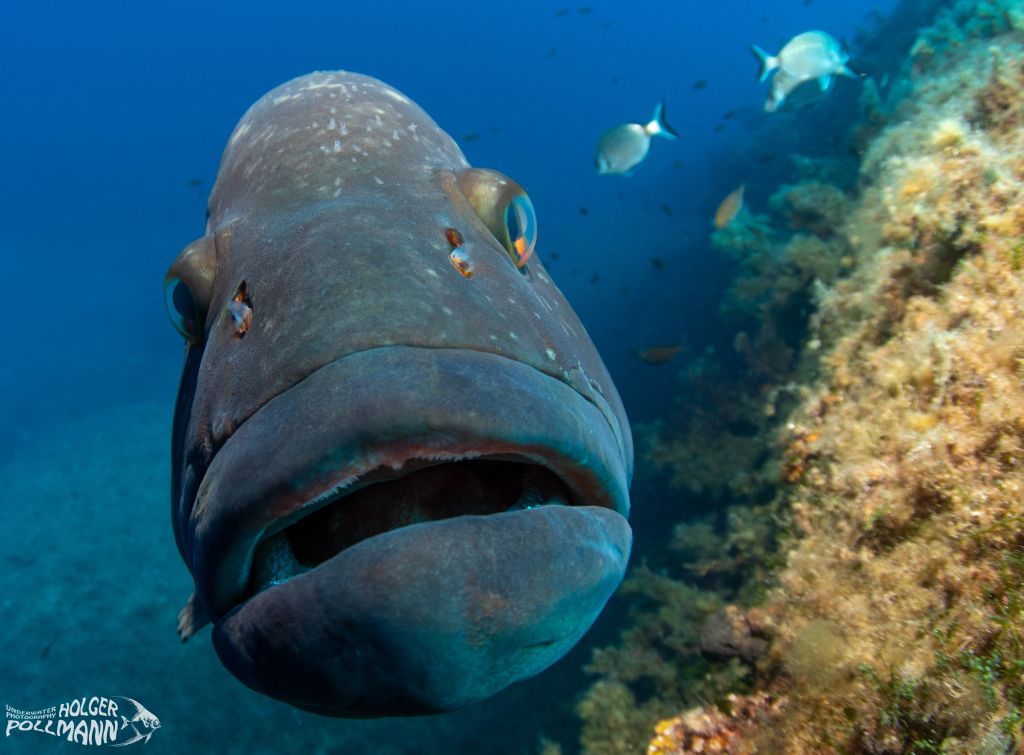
pixel 863 590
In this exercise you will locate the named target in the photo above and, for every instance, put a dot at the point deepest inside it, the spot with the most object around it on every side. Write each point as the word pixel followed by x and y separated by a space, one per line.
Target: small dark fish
pixel 586 10
pixel 561 12
pixel 552 256
pixel 659 354
pixel 493 130
pixel 471 137
pixel 700 83
pixel 552 52
pixel 584 211
pixel 658 263
pixel 875 17
pixel 666 209
pixel 808 2
pixel 195 183
pixel 763 19
pixel 728 115
pixel 719 128
pixel 767 157
pixel 595 278
pixel 677 164
pixel 607 25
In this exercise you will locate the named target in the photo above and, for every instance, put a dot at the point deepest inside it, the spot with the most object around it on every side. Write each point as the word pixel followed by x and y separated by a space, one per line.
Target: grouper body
pixel 400 483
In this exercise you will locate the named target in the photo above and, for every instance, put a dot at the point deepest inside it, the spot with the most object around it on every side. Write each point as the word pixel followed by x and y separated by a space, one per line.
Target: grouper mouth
pixel 418 491
pixel 407 530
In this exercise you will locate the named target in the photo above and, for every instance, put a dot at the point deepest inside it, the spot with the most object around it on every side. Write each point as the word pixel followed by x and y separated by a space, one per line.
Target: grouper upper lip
pixel 382 408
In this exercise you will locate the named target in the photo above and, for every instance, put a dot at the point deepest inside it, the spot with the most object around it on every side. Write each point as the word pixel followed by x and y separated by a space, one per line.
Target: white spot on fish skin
pixel 326 84
pixel 396 96
pixel 395 135
pixel 343 129
pixel 513 336
pixel 447 310
pixel 551 354
pixel 332 124
pixel 337 145
pixel 413 127
pixel 493 337
pixel 325 149
pixel 432 271
pixel 379 182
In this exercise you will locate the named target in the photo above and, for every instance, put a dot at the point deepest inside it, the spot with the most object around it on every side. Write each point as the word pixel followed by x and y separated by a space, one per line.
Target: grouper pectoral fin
pixel 191 618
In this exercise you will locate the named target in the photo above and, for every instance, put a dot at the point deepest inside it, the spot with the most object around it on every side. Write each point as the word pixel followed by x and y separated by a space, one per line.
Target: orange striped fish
pixel 729 208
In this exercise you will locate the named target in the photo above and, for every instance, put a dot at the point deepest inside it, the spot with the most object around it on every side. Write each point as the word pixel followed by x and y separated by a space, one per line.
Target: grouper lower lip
pixel 500 596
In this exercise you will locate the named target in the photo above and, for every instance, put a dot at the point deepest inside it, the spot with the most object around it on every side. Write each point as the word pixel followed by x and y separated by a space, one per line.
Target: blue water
pixel 113 111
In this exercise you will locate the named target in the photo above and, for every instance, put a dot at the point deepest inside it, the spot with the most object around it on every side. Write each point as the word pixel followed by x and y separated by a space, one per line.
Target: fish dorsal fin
pixel 192 618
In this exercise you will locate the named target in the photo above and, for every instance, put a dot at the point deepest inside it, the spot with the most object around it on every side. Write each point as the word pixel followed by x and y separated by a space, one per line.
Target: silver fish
pixel 622 148
pixel 807 56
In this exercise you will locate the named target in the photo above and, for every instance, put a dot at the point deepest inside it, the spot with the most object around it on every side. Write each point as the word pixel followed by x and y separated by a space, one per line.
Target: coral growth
pixel 900 608
pixel 711 730
pixel 879 432
pixel 655 670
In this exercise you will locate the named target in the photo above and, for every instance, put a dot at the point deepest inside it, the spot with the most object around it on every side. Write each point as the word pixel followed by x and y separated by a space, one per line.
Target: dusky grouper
pixel 400 468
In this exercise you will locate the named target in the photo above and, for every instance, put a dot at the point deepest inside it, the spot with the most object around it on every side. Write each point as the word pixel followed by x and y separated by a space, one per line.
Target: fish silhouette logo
pixel 142 723
pixel 114 721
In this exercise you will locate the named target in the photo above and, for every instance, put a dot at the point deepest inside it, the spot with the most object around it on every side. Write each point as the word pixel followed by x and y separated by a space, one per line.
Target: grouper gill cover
pixel 400 467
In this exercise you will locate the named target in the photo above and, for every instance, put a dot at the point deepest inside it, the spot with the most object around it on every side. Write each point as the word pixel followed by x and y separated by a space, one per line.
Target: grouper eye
pixel 188 286
pixel 521 227
pixel 504 208
pixel 181 308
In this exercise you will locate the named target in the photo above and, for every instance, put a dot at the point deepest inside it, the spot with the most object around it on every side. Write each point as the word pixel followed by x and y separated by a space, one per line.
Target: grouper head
pixel 400 468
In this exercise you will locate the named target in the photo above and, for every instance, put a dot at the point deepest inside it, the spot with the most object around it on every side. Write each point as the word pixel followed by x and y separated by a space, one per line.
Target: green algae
pixel 882 483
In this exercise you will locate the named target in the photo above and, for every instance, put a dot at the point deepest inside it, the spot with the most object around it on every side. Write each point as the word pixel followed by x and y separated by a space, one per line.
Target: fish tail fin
pixel 659 125
pixel 850 72
pixel 768 62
